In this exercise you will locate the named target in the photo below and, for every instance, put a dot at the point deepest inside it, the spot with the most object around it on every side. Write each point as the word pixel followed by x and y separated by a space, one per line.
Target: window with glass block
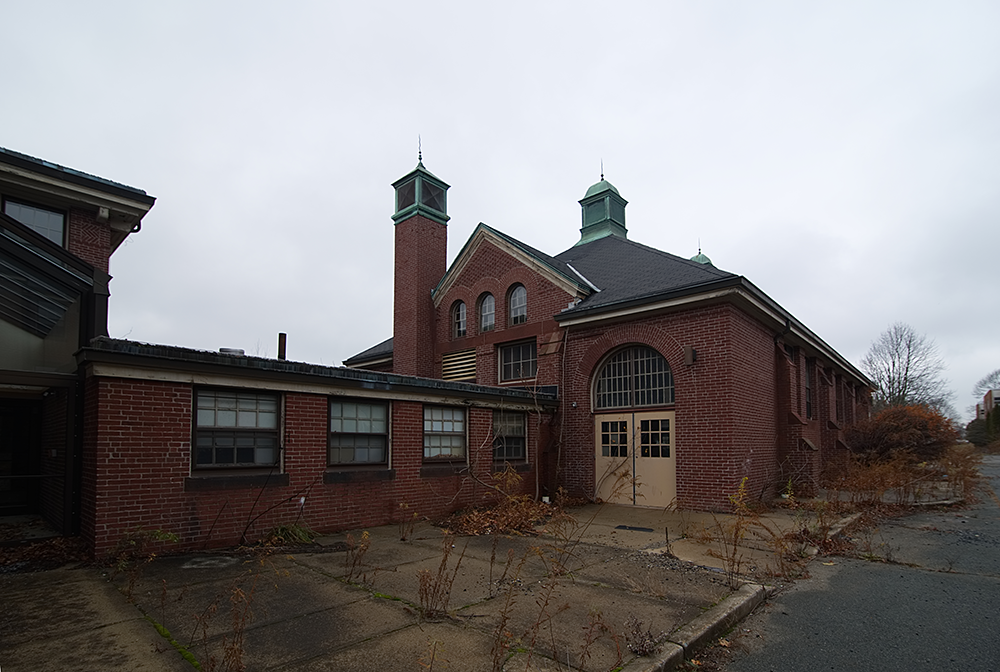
pixel 359 432
pixel 236 429
pixel 444 433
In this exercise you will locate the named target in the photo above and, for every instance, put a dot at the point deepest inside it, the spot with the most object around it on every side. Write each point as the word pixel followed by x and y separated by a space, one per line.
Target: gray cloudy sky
pixel 845 157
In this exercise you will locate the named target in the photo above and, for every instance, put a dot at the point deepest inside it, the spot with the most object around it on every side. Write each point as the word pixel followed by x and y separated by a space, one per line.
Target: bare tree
pixel 906 369
pixel 990 381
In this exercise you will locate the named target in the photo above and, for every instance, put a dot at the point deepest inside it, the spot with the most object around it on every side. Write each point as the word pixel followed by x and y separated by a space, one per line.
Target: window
pixel 518 304
pixel 458 319
pixel 444 433
pixel 509 436
pixel 48 223
pixel 635 376
pixel 518 361
pixel 432 196
pixel 654 437
pixel 614 438
pixel 359 432
pixel 487 313
pixel 809 385
pixel 236 429
pixel 406 195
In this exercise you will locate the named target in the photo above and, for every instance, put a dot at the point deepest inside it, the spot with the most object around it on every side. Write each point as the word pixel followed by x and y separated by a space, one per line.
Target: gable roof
pixel 557 272
pixel 382 351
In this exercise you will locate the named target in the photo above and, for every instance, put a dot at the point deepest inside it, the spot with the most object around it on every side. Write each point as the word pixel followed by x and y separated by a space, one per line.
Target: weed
pixel 433 656
pixel 406 522
pixel 134 551
pixel 596 629
pixel 434 589
pixel 354 557
pixel 641 642
pixel 285 535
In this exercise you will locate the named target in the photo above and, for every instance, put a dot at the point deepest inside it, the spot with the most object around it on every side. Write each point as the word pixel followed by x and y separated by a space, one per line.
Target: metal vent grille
pixel 459 365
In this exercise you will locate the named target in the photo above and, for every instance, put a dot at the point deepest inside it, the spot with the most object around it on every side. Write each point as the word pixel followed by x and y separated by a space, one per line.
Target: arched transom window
pixel 635 376
pixel 458 319
pixel 517 305
pixel 487 313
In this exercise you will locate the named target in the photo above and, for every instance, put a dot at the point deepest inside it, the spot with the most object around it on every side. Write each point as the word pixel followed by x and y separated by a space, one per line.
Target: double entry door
pixel 635 459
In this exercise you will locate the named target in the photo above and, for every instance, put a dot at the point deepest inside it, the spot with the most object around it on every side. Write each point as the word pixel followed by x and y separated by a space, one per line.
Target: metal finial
pixel 602 169
pixel 420 151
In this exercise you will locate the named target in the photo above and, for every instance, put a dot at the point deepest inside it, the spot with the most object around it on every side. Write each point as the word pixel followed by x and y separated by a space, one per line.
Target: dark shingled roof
pixel 383 349
pixel 627 271
pixel 13 158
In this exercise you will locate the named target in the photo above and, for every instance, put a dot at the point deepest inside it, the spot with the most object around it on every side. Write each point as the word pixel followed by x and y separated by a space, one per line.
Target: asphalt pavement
pixel 927 598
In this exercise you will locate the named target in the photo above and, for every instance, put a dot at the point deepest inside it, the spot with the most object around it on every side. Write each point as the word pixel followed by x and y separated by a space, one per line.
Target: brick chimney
pixel 420 262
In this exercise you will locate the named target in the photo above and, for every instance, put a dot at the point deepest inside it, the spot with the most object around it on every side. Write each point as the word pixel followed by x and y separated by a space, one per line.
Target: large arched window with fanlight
pixel 633 377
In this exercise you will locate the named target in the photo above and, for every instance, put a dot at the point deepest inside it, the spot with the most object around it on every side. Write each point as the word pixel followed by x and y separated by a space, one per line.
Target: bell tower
pixel 421 255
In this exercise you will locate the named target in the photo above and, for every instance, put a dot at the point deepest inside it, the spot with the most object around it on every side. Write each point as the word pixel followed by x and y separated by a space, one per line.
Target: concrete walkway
pixel 562 600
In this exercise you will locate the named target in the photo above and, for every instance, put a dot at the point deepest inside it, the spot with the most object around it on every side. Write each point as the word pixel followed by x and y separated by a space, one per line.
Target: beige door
pixel 634 458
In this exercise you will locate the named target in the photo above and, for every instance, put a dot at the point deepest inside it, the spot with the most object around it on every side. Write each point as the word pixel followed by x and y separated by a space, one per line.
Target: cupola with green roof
pixel 701 258
pixel 420 192
pixel 603 213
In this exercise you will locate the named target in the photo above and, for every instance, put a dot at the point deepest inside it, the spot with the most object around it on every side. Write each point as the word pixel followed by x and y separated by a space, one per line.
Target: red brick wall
pixel 420 262
pixel 89 239
pixel 138 456
pixel 725 403
pixel 495 271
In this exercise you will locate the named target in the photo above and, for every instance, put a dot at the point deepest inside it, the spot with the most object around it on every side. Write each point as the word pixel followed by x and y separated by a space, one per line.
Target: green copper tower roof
pixel 701 258
pixel 603 213
pixel 420 192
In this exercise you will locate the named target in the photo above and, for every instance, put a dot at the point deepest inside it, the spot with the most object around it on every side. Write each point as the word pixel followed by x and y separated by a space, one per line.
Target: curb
pixel 698 633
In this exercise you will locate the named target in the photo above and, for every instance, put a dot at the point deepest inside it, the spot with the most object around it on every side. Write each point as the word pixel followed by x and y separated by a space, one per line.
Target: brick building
pixel 58 229
pixel 609 364
pixel 675 379
pixel 104 437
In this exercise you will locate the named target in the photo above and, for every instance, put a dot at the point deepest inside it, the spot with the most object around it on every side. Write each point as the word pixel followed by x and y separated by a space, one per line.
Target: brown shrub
pixel 919 432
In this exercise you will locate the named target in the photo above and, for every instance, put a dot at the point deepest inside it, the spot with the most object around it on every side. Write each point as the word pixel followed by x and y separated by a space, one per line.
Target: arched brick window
pixel 487 312
pixel 517 305
pixel 458 319
pixel 632 377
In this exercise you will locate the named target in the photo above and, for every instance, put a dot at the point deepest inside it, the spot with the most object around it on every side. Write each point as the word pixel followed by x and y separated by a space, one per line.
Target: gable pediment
pixel 550 269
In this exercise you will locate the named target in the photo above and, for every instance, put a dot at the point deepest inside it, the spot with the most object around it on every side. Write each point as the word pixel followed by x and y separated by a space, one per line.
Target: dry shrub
pixel 961 465
pixel 919 432
pixel 511 514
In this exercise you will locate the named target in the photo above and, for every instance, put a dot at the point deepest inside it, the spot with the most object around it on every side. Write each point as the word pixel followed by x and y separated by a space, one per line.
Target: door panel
pixel 635 458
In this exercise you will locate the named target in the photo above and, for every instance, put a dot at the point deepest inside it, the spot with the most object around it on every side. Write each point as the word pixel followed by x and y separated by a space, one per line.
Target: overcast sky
pixel 844 157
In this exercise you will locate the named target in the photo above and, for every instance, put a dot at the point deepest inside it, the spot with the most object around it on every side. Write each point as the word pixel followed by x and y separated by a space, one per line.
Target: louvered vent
pixel 459 365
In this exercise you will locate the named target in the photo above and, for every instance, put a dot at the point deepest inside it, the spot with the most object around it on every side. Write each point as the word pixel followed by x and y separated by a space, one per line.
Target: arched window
pixel 487 313
pixel 634 376
pixel 458 319
pixel 517 303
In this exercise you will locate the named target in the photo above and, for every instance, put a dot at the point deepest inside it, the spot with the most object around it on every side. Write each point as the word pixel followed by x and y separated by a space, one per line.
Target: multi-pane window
pixel 518 361
pixel 810 363
pixel 236 429
pixel 458 319
pixel 359 432
pixel 654 437
pixel 48 223
pixel 487 313
pixel 614 438
pixel 509 436
pixel 518 305
pixel 635 376
pixel 444 433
